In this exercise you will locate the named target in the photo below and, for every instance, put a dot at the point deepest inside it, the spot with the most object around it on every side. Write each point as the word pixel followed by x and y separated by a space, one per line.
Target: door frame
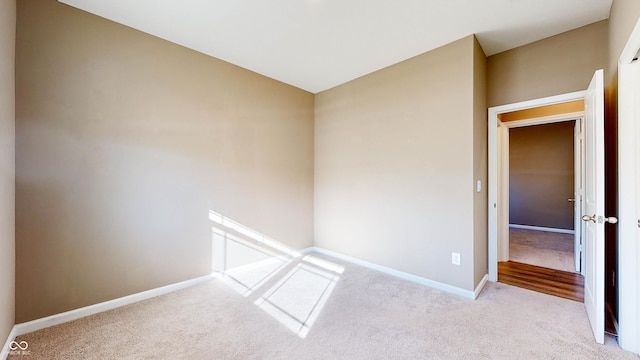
pixel 629 195
pixel 578 186
pixel 504 185
pixel 498 190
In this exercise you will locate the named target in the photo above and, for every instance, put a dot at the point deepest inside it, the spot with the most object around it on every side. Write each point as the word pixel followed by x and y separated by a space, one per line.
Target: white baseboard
pixel 5 349
pixel 406 276
pixel 540 228
pixel 306 250
pixel 480 286
pixel 38 324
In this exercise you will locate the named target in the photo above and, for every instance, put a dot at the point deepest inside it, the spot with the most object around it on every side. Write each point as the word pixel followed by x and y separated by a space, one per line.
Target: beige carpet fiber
pixel 542 248
pixel 318 307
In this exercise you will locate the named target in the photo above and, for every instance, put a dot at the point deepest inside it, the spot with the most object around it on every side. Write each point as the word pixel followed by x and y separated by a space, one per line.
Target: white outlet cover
pixel 455 258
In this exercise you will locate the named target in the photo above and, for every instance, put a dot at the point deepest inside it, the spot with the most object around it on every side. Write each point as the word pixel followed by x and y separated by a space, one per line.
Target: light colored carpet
pixel 322 308
pixel 542 248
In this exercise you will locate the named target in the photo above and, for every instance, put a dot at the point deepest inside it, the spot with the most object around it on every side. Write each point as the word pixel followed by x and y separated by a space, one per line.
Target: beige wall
pixel 560 64
pixel 394 166
pixel 541 175
pixel 622 19
pixel 125 143
pixel 7 165
pixel 480 162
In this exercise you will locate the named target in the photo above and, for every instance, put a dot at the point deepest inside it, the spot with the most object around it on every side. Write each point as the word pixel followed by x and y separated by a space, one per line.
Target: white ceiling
pixel 318 44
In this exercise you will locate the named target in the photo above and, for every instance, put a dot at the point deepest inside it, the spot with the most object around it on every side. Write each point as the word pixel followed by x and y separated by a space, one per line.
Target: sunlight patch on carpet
pixel 248 261
pixel 247 280
pixel 298 298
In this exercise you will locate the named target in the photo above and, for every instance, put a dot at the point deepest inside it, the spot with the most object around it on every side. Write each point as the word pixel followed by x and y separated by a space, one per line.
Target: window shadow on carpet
pixel 289 286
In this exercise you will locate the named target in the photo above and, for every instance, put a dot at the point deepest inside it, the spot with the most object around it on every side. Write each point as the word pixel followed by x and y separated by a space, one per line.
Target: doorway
pixel 567 109
pixel 541 172
pixel 593 198
pixel 544 194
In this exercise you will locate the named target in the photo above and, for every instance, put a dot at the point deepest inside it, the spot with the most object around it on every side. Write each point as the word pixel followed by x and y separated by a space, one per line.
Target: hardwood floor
pixel 568 285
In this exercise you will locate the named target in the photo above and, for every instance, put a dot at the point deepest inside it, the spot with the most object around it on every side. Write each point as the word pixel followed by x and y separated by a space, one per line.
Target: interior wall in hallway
pixel 541 175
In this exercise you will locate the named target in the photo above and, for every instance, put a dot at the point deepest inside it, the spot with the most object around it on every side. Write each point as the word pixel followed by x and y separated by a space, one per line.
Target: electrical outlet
pixel 455 258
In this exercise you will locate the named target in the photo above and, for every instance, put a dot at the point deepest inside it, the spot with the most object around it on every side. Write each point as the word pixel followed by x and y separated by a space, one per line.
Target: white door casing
pixel 637 272
pixel 503 186
pixel 577 194
pixel 637 211
pixel 498 212
pixel 594 205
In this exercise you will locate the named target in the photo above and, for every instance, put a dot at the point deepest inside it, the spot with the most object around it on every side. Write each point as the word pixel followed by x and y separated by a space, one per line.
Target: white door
pixel 593 205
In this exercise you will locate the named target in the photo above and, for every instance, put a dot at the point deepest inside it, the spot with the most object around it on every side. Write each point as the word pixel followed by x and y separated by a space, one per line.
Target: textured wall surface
pixel 127 143
pixel 394 164
pixel 541 175
pixel 480 163
pixel 7 165
pixel 560 64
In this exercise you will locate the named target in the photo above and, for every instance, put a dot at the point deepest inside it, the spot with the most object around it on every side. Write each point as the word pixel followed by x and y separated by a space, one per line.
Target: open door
pixel 593 205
